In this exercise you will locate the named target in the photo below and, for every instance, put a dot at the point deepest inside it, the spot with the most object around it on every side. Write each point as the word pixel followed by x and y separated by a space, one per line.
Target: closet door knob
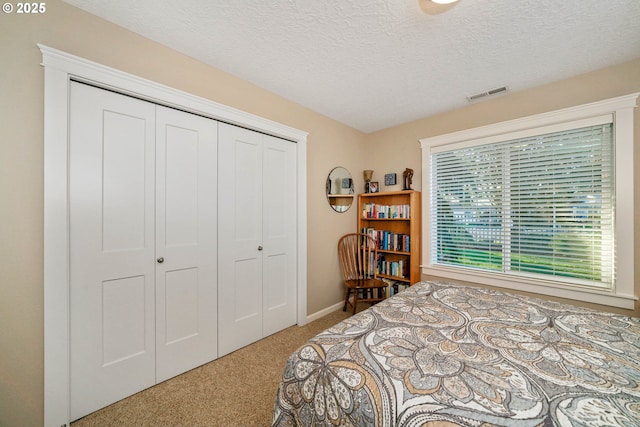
pixel 259 248
pixel 160 260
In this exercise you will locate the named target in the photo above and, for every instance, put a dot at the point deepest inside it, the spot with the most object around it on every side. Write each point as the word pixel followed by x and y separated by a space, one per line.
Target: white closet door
pixel 240 238
pixel 279 235
pixel 186 241
pixel 111 187
pixel 257 236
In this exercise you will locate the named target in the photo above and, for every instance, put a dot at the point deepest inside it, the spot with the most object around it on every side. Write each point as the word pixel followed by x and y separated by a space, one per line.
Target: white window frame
pixel 621 108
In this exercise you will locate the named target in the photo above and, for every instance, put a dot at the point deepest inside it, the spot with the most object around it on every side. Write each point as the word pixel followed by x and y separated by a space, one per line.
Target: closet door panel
pixel 246 306
pixel 279 234
pixel 123 192
pixel 111 170
pixel 180 305
pixel 180 183
pixel 240 238
pixel 123 308
pixel 186 242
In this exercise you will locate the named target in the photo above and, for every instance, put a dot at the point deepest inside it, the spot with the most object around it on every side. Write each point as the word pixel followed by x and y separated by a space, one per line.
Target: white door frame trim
pixel 59 69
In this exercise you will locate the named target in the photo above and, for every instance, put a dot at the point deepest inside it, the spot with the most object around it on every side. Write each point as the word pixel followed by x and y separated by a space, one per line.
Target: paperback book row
pixel 373 210
pixel 388 241
pixel 394 286
pixel 398 268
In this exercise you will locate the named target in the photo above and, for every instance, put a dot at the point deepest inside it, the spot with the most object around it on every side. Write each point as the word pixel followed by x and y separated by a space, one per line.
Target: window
pixel 531 204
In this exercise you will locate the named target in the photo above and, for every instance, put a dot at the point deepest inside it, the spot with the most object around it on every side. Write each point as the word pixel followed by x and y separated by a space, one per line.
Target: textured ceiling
pixel 372 64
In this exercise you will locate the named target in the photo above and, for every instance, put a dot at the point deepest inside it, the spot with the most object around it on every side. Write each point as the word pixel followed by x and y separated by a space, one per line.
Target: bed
pixel 439 354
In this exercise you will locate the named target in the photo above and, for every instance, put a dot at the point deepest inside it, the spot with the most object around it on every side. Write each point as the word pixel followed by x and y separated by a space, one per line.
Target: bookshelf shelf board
pixel 385 219
pixel 386 251
pixel 396 278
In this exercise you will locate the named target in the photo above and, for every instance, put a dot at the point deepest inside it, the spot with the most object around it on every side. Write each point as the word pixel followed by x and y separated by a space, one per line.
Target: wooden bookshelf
pixel 392 217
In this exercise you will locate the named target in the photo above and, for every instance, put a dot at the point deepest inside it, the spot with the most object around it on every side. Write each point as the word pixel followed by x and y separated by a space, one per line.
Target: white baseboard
pixel 324 311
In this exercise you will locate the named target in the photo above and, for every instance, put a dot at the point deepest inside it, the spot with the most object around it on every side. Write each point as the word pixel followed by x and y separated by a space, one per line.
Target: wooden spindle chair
pixel 358 254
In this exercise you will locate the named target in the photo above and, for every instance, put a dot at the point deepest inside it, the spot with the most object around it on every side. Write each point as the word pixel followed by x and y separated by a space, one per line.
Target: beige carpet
pixel 236 390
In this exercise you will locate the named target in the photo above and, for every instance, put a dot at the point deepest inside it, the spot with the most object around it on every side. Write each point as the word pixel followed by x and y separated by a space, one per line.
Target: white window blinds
pixel 536 205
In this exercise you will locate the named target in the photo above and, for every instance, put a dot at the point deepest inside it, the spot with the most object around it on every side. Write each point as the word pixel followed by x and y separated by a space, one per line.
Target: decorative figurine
pixel 408 176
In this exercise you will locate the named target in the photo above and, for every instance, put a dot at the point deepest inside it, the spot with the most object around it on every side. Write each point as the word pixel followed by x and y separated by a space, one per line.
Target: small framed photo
pixel 390 179
pixel 374 187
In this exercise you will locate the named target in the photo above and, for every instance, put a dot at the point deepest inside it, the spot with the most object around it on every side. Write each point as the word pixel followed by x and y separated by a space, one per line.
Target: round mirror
pixel 340 189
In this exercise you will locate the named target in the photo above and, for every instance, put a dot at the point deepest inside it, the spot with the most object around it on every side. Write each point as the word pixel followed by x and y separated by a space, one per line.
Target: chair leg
pixel 356 292
pixel 346 300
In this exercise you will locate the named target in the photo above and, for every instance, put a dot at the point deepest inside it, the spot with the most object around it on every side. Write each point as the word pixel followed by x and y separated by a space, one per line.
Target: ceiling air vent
pixel 490 92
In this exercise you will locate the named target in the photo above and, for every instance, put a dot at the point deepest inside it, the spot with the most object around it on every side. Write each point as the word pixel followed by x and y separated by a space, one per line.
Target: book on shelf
pixel 389 241
pixel 394 286
pixel 398 268
pixel 375 210
pixel 372 265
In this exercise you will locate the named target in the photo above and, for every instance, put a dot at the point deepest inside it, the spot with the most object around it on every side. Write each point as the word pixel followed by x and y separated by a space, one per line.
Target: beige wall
pixel 330 144
pixel 398 147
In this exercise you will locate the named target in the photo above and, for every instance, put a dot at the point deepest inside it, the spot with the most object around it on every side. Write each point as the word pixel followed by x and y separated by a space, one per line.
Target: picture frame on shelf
pixel 374 187
pixel 390 179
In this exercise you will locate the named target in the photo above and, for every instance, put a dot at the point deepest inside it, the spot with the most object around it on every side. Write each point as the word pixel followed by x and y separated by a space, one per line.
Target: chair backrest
pixel 358 254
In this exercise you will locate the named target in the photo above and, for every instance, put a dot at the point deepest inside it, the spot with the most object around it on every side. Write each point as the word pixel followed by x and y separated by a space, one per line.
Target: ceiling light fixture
pixel 435 7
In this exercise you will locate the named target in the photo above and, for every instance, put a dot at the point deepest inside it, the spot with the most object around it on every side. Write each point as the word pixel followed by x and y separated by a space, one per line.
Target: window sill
pixel 578 293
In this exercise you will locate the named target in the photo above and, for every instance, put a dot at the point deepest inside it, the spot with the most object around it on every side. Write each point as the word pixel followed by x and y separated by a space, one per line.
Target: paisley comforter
pixel 441 354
